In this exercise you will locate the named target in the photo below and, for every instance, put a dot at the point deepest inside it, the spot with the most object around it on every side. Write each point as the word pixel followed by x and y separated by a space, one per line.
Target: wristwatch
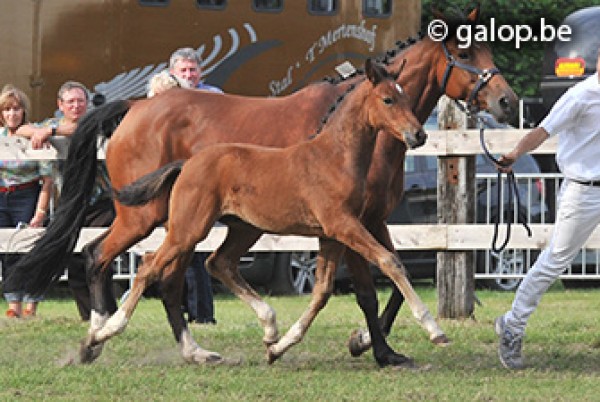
pixel 54 126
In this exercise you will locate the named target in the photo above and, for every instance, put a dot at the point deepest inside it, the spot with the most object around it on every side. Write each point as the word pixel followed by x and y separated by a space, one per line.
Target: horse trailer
pixel 248 47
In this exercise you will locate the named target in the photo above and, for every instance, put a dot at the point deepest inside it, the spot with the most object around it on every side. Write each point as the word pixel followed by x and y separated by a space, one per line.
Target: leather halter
pixel 483 77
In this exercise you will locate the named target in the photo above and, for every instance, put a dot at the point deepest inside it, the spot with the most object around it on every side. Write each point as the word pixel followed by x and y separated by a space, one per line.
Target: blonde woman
pixel 25 190
pixel 162 81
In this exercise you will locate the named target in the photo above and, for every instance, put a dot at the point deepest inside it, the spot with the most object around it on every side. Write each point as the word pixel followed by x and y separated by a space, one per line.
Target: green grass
pixel 143 364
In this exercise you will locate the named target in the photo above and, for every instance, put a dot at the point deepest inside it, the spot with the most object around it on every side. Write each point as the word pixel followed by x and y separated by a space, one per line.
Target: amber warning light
pixel 569 67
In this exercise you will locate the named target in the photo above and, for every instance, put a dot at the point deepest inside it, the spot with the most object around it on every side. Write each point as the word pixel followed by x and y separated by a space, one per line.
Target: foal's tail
pixel 150 186
pixel 45 263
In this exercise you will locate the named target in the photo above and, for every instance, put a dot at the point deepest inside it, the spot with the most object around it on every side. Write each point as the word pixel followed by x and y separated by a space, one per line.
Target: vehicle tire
pixel 513 262
pixel 294 273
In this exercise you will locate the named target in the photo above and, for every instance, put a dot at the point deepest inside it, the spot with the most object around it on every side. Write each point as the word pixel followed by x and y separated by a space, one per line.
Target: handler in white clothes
pixel 575 118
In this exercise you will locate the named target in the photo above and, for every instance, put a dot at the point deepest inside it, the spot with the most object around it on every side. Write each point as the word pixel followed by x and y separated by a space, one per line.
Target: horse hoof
pixel 204 357
pixel 272 356
pixel 88 352
pixel 396 360
pixel 212 358
pixel 356 345
pixel 441 340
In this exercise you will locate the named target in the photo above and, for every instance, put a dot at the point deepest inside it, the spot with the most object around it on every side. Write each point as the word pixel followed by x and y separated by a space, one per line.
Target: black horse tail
pixel 46 262
pixel 150 186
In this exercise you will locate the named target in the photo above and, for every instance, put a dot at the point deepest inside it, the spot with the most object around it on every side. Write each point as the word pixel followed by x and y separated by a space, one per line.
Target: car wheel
pixel 509 262
pixel 294 273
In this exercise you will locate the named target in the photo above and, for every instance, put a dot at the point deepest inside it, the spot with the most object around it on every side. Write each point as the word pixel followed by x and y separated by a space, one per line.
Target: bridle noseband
pixel 483 77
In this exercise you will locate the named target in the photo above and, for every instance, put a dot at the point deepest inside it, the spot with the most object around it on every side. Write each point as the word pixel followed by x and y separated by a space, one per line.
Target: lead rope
pixel 511 182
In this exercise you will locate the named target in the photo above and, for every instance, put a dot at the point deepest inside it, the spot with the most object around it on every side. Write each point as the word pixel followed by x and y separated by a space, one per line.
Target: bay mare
pixel 314 188
pixel 178 124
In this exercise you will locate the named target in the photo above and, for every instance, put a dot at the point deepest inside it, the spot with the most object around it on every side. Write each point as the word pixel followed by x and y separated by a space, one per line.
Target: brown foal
pixel 316 188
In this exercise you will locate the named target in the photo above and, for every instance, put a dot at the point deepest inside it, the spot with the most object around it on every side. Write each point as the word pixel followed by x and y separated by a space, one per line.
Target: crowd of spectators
pixel 27 186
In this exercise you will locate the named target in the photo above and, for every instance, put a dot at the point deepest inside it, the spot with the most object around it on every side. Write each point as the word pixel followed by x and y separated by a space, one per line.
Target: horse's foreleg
pixel 382 235
pixel 367 300
pixel 360 340
pixel 223 265
pixel 436 335
pixel 354 235
pixel 389 313
pixel 329 254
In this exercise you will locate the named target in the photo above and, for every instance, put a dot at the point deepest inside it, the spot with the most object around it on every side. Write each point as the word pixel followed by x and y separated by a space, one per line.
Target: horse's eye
pixel 388 101
pixel 463 55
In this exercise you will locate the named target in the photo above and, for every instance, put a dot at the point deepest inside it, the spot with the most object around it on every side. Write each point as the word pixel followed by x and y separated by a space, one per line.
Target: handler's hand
pixel 505 163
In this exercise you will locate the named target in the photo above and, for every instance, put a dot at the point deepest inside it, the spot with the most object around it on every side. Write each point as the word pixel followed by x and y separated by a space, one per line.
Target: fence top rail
pixel 440 237
pixel 439 142
pixel 19 148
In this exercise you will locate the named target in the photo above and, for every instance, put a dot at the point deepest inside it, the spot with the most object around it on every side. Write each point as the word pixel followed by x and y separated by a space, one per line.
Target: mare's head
pixel 457 66
pixel 465 69
pixel 389 107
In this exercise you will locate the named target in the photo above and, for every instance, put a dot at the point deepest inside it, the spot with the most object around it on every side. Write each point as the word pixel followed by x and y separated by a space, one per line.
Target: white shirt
pixel 575 118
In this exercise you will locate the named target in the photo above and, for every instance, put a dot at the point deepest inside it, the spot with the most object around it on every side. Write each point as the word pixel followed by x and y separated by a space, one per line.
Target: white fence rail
pixel 458 237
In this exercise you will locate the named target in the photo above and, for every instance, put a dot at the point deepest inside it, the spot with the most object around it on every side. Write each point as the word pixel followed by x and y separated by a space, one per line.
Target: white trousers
pixel 577 216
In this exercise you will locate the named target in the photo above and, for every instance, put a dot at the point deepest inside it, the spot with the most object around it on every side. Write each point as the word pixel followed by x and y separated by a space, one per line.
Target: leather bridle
pixel 483 77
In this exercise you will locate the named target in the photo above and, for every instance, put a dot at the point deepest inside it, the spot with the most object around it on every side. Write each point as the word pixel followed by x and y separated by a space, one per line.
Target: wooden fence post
pixel 455 204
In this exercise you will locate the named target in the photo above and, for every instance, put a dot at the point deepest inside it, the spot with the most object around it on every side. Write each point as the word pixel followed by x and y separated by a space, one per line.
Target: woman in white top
pixel 25 190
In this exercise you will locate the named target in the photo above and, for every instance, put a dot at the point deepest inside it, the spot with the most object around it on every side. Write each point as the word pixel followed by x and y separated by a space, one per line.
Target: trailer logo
pixel 342 32
pixel 325 41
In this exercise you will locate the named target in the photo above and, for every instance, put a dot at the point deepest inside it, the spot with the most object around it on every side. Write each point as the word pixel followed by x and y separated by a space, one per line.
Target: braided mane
pixel 385 59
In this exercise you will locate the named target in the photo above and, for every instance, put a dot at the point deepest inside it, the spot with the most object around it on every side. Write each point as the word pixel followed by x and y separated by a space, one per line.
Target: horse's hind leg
pixel 223 265
pixel 169 262
pixel 171 288
pixel 329 255
pixel 367 300
pixel 99 255
pixel 102 300
pixel 166 262
pixel 148 273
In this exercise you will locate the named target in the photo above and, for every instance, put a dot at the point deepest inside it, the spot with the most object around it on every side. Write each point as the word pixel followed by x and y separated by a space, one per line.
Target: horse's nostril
pixel 505 103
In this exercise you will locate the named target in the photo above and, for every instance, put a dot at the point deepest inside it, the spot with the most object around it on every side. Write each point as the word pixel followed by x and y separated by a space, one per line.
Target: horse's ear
pixel 473 16
pixel 375 72
pixel 397 74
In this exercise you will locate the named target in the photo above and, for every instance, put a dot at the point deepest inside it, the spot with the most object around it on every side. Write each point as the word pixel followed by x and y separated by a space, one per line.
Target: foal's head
pixel 389 108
